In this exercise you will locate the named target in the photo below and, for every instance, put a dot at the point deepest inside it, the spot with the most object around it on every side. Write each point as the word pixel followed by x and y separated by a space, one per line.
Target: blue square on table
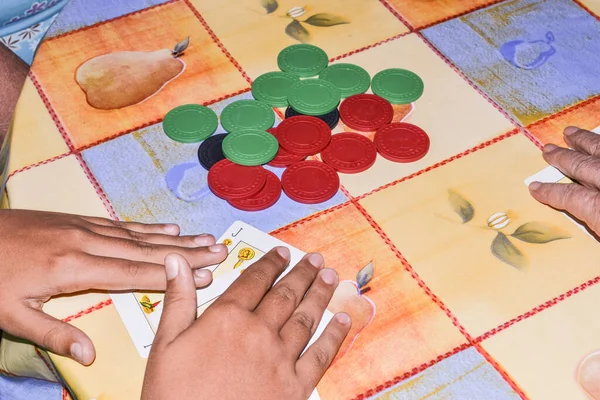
pixel 149 178
pixel 464 375
pixel 532 57
pixel 82 13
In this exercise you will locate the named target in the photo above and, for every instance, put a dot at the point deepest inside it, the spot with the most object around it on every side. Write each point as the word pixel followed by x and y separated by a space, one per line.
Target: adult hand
pixel 581 163
pixel 247 344
pixel 46 254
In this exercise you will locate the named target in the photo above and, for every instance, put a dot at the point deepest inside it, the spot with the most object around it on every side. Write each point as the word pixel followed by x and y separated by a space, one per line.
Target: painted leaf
pixel 461 206
pixel 270 5
pixel 539 232
pixel 325 19
pixel 181 46
pixel 365 275
pixel 508 253
pixel 296 31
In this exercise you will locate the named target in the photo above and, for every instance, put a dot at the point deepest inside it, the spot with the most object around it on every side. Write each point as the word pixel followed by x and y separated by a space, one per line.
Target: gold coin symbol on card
pixel 244 254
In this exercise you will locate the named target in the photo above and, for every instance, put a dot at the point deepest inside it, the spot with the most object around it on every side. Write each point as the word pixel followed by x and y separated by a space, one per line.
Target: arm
pixel 13 72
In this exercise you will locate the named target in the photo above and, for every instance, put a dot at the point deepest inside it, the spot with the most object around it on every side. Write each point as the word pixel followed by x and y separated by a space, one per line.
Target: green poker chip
pixel 398 86
pixel 349 78
pixel 190 123
pixel 273 88
pixel 250 147
pixel 314 97
pixel 303 60
pixel 247 114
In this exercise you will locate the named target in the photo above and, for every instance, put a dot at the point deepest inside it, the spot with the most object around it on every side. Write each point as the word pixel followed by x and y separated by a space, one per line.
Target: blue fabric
pixel 16 388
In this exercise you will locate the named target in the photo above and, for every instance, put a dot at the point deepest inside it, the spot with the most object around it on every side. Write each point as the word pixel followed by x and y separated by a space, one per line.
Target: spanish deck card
pixel 141 311
pixel 551 174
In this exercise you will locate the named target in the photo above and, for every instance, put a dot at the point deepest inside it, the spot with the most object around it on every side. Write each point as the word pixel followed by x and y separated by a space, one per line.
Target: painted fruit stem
pixel 180 47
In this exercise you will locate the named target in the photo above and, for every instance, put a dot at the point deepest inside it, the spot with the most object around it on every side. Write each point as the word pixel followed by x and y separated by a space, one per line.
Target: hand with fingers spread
pixel 46 254
pixel 248 343
pixel 581 163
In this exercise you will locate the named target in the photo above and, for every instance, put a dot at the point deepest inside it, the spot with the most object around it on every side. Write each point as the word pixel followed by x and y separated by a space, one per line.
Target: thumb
pixel 56 336
pixel 179 309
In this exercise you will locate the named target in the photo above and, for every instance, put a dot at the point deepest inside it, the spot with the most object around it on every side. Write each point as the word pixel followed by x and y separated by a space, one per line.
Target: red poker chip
pixel 231 181
pixel 310 182
pixel 283 157
pixel 401 142
pixel 303 135
pixel 264 199
pixel 350 153
pixel 366 112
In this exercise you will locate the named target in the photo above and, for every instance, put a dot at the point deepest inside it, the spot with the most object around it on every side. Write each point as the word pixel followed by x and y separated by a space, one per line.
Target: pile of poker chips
pixel 235 159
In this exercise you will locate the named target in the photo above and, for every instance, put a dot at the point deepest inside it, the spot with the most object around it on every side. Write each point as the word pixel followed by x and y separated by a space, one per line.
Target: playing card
pixel 141 311
pixel 551 174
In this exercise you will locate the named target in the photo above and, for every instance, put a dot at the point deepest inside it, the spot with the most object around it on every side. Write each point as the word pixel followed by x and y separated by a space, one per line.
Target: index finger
pixel 574 164
pixel 248 290
pixel 85 272
pixel 579 201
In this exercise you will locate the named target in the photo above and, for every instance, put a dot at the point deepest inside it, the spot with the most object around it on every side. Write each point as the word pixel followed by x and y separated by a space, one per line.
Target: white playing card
pixel 246 245
pixel 551 174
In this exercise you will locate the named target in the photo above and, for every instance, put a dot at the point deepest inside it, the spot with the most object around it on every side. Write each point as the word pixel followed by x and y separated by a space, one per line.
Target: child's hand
pixel 45 254
pixel 247 344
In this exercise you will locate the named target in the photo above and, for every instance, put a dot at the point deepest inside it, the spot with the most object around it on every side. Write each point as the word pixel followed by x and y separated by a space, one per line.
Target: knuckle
pixel 581 164
pixel 51 339
pixel 227 308
pixel 320 357
pixel 146 249
pixel 132 269
pixel 589 141
pixel 135 236
pixel 285 294
pixel 322 294
pixel 67 259
pixel 304 320
pixel 594 146
pixel 569 193
pixel 259 274
pixel 77 235
pixel 116 224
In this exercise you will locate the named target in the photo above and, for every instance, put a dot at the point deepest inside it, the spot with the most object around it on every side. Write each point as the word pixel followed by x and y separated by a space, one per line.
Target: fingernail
pixel 342 318
pixel 77 352
pixel 284 252
pixel 215 248
pixel 534 185
pixel 202 274
pixel 171 268
pixel 570 130
pixel 171 228
pixel 204 240
pixel 329 276
pixel 316 260
pixel 550 147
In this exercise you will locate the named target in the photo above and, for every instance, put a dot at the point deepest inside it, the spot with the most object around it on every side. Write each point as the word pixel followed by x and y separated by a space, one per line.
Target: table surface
pixel 465 302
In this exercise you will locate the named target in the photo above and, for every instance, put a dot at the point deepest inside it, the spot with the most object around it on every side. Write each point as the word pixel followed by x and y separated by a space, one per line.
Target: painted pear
pixel 588 374
pixel 121 79
pixel 347 298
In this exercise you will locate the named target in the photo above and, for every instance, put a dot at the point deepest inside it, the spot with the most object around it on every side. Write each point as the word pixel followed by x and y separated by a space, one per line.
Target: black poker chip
pixel 331 118
pixel 211 151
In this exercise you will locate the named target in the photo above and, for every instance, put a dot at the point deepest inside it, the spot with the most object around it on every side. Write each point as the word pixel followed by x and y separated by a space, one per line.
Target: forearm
pixel 13 72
